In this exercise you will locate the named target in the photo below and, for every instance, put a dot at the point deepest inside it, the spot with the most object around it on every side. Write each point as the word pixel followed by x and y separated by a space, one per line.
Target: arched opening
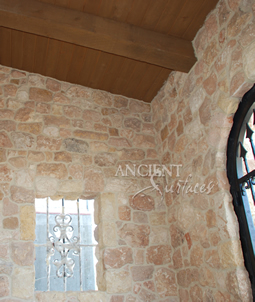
pixel 241 175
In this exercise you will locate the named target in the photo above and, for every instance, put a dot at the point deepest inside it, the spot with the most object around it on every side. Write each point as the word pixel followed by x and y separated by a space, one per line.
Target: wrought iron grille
pixel 65 245
pixel 245 164
pixel 241 175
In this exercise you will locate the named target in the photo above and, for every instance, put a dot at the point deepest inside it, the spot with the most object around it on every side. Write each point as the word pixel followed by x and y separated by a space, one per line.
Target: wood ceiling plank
pixel 98 33
pixel 64 59
pixel 138 11
pixel 185 17
pixel 153 14
pixel 77 4
pixel 51 58
pixel 5 49
pixel 113 74
pixel 133 85
pixel 157 83
pixel 89 67
pixel 92 7
pixel 146 81
pixel 76 64
pixel 41 49
pixel 169 15
pixel 17 48
pixel 63 3
pixel 201 15
pixel 29 42
pixel 121 83
pixel 103 65
pixel 120 9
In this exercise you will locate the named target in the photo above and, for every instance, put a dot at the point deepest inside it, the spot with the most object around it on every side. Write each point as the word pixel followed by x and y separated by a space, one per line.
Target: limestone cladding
pixel 167 244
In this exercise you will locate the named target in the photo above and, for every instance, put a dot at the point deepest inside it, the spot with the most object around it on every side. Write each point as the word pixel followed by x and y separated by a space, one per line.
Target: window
pixel 241 175
pixel 65 245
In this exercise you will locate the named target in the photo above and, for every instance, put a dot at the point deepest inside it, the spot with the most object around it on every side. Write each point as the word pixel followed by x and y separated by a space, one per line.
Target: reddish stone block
pixel 119 142
pixel 212 259
pixel 117 298
pixel 10 223
pixel 237 22
pixel 10 90
pixel 63 156
pixel 43 108
pixel 102 98
pixel 135 235
pixel 34 128
pixel 159 254
pixel 145 295
pixel 61 98
pixel 53 85
pixel 6 114
pixel 165 282
pixel 21 195
pixel 40 95
pixel 9 208
pixel 18 162
pixel 164 133
pixel 7 125
pixel 210 83
pixel 139 107
pixel 58 121
pixel 142 273
pixel 116 258
pixel 177 236
pixel 22 253
pixel 142 202
pixel 5 141
pixel 105 159
pixel 109 111
pixel 100 128
pixel 133 123
pixel 124 213
pixel 6 174
pixel 144 141
pixel 53 170
pixel 72 111
pixel 91 135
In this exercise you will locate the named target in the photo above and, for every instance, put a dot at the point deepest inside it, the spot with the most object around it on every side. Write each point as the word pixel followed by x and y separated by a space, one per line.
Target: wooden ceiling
pixel 126 47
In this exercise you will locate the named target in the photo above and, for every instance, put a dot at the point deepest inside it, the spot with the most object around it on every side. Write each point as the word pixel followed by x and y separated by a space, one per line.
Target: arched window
pixel 241 175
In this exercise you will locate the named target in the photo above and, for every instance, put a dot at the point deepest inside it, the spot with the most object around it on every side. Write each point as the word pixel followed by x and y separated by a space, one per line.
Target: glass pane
pixel 41 269
pixel 88 268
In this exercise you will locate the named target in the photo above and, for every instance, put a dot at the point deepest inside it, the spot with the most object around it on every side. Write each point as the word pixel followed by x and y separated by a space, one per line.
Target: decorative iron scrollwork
pixel 63 245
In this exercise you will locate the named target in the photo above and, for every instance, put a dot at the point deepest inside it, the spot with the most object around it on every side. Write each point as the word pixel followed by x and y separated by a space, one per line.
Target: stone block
pixel 23 283
pixel 135 235
pixel 5 141
pixel 159 254
pixel 116 258
pixel 10 223
pixel 58 171
pixel 22 253
pixel 118 282
pixel 27 223
pixel 40 95
pixel 142 202
pixel 165 282
pixel 4 286
pixel 142 273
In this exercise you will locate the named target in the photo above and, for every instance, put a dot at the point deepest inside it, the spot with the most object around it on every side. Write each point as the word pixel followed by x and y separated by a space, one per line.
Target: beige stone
pixel 23 283
pixel 71 186
pixel 46 186
pixel 165 282
pixel 231 253
pixel 58 171
pixel 159 235
pixel 118 281
pixel 91 296
pixel 22 195
pixel 27 222
pixel 4 286
pixel 142 273
pixel 116 258
pixel 108 233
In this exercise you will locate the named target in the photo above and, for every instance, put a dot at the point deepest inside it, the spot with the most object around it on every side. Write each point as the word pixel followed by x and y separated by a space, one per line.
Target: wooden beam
pixel 97 33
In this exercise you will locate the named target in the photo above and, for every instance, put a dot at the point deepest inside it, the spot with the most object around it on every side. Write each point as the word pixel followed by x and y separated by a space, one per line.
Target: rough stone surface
pixel 23 253
pixel 142 273
pixel 135 235
pixel 116 258
pixel 118 282
pixel 159 255
pixel 142 202
pixel 165 282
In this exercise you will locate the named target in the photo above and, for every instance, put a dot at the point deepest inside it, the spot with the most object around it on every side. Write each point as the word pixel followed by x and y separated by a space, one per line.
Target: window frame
pixel 232 173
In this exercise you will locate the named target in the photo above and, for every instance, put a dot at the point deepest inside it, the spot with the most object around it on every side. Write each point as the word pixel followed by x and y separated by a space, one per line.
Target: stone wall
pixel 193 115
pixel 58 139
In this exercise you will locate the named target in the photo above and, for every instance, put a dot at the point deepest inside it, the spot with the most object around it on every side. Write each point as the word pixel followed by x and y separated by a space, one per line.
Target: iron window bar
pixel 64 243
